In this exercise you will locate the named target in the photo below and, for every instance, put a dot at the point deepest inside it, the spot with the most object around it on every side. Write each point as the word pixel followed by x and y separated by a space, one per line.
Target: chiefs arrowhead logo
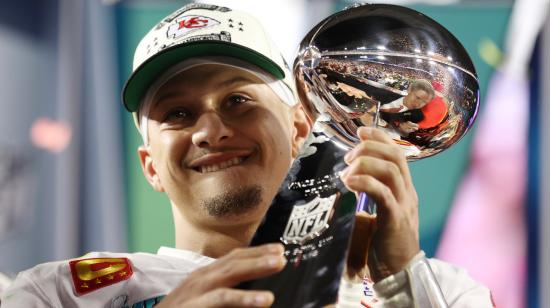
pixel 96 273
pixel 184 25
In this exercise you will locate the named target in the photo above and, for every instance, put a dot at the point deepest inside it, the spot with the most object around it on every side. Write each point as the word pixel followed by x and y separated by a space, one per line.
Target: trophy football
pixel 373 65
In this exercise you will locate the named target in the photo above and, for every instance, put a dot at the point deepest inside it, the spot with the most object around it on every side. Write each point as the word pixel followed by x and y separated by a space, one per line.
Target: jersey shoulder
pixel 458 287
pixel 95 279
pixel 53 284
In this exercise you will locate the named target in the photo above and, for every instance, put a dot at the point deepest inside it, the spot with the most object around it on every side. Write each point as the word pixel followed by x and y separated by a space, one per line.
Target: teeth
pixel 222 165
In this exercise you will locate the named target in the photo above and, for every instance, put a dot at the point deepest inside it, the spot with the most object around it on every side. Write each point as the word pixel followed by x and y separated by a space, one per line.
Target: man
pixel 213 100
pixel 420 92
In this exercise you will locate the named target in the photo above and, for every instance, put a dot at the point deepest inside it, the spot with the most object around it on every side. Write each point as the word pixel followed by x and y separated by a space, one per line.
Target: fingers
pixel 378 167
pixel 225 297
pixel 239 269
pixel 367 133
pixel 381 193
pixel 376 143
pixel 379 178
pixel 256 251
pixel 241 265
pixel 211 285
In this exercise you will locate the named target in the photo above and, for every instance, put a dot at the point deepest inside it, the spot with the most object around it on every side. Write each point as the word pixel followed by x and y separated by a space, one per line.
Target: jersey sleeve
pixel 457 287
pixel 24 292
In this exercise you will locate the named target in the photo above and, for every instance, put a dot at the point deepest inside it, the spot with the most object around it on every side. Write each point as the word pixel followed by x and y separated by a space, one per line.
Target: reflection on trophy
pixel 380 65
pixel 371 65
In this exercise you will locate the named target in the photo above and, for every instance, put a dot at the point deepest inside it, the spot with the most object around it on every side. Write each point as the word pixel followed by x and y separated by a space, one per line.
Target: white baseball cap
pixel 199 30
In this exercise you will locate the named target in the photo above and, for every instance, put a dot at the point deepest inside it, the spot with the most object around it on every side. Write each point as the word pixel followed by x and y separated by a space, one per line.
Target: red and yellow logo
pixel 92 274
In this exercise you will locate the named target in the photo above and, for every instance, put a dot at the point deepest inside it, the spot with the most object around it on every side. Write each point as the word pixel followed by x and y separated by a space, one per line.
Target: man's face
pixel 417 99
pixel 220 143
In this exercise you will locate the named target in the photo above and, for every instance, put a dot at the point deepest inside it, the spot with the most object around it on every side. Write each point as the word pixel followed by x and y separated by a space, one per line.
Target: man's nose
pixel 210 130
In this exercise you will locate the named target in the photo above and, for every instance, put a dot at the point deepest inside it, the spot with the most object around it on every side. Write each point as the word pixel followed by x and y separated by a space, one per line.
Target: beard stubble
pixel 233 202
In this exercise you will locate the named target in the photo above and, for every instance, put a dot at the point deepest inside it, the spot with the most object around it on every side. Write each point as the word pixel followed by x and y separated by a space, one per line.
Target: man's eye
pixel 237 99
pixel 176 114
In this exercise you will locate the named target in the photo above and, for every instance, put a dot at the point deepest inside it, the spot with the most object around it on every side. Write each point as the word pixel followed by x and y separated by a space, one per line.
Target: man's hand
pixel 378 167
pixel 408 127
pixel 211 286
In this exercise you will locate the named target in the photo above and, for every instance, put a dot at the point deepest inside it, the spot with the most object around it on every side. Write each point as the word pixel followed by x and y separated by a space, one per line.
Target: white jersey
pixel 458 288
pixel 119 280
pixel 110 280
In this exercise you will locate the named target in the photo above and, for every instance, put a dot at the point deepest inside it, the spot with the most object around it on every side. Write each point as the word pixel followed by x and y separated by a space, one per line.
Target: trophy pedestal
pixel 313 216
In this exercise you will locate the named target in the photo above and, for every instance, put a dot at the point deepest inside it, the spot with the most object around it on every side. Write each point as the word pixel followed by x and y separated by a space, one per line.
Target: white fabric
pixel 217 24
pixel 51 285
pixel 5 281
pixel 459 290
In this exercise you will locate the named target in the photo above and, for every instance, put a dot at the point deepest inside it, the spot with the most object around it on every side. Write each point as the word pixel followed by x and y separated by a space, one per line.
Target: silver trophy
pixel 370 65
pixel 390 67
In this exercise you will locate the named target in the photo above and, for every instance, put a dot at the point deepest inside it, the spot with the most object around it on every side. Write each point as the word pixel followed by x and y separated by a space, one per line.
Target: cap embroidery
pixel 189 7
pixel 184 25
pixel 222 36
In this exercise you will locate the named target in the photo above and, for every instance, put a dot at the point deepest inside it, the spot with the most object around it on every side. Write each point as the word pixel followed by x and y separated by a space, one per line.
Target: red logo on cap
pixel 193 22
pixel 186 24
pixel 92 274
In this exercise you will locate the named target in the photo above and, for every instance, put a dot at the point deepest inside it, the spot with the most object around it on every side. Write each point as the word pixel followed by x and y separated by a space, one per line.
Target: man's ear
pixel 302 128
pixel 149 169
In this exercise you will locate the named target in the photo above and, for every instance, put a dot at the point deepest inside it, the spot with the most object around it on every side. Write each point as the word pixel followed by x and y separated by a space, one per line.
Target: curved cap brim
pixel 146 74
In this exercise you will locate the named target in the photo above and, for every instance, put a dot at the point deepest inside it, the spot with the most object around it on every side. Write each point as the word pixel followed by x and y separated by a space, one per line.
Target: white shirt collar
pixel 184 254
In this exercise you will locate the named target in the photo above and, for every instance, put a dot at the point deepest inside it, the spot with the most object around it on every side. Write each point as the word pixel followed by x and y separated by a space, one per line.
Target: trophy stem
pixel 364 203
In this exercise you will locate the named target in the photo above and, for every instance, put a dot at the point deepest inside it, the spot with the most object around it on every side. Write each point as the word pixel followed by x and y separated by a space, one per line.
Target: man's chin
pixel 233 202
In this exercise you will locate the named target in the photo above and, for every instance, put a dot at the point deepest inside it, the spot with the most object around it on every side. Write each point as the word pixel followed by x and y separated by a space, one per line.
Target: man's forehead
pixel 421 92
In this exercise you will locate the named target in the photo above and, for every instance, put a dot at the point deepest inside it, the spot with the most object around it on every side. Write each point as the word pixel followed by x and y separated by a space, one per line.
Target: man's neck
pixel 212 241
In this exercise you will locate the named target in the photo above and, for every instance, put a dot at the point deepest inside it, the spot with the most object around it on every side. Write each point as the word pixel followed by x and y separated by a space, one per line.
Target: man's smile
pixel 216 161
pixel 226 164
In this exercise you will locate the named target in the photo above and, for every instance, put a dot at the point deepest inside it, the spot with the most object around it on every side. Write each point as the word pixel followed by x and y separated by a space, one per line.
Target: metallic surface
pixel 353 66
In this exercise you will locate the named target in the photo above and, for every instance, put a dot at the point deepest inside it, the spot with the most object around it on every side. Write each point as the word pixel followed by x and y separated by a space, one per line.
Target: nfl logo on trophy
pixel 308 221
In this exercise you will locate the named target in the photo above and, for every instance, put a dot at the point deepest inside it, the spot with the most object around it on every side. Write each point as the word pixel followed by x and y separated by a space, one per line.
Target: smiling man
pixel 214 129
pixel 215 104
